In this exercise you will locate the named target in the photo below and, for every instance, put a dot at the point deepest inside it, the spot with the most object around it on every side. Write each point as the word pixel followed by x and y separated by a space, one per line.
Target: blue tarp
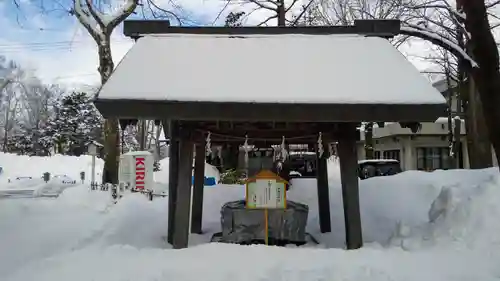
pixel 208 181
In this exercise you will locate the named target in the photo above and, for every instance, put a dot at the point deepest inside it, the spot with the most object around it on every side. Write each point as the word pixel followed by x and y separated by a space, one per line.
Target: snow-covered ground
pixel 417 226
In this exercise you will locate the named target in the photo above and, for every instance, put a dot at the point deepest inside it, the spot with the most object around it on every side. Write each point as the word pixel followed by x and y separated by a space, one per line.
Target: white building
pixel 427 149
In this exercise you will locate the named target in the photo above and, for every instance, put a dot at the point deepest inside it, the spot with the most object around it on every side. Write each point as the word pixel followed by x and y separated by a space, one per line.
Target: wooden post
pixel 323 192
pixel 182 212
pixel 171 129
pixel 143 132
pixel 350 185
pixel 198 186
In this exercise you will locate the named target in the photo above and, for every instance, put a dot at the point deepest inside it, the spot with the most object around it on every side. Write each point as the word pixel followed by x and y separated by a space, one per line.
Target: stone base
pixel 241 225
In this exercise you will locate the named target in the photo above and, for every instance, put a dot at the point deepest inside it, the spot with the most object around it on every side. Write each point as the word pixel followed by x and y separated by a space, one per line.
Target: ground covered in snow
pixel 417 226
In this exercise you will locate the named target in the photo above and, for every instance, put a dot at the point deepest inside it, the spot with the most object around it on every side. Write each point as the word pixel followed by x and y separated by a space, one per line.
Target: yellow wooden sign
pixel 266 190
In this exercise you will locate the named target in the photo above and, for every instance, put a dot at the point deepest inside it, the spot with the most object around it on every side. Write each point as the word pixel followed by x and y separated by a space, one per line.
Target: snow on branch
pixel 438 40
pixel 98 24
pixel 97 15
pixel 457 14
pixel 86 19
pixel 121 13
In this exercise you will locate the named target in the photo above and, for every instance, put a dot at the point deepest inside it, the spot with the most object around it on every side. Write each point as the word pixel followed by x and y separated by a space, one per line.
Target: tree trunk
pixel 478 142
pixel 449 101
pixel 231 157
pixel 281 13
pixel 369 151
pixel 157 142
pixel 6 127
pixel 111 135
pixel 142 134
pixel 487 75
pixel 456 143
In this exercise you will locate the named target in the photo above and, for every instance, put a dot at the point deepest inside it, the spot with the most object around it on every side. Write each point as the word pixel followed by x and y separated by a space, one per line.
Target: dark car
pixel 303 165
pixel 378 167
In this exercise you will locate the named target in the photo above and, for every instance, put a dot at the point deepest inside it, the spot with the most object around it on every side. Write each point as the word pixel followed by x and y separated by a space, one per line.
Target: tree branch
pixel 296 20
pixel 86 20
pixel 291 6
pixel 98 16
pixel 122 13
pixel 261 5
pixel 439 40
pixel 267 20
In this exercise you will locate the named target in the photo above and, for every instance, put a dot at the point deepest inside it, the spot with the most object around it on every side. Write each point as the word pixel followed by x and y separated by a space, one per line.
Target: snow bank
pixel 58 165
pixel 231 262
pixel 462 216
pixel 26 172
pixel 418 226
pixel 162 176
pixel 33 229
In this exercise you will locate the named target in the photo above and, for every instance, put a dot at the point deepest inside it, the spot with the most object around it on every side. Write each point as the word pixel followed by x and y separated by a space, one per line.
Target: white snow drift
pixel 417 226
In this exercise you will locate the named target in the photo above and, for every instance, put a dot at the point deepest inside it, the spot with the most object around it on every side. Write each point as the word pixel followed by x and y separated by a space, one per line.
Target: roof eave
pixel 232 111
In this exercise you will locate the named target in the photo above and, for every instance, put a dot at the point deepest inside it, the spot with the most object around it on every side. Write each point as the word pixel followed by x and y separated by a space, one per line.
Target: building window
pixel 376 154
pixel 432 158
pixel 392 154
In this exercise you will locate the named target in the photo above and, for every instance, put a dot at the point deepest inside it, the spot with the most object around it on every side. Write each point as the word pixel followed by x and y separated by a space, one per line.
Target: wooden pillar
pixel 323 191
pixel 350 185
pixel 182 213
pixel 171 129
pixel 198 186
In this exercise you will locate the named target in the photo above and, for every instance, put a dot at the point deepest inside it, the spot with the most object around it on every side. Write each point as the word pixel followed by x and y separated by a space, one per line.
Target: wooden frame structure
pixel 187 124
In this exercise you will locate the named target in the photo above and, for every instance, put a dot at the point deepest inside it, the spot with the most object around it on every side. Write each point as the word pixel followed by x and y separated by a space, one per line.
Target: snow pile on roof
pixel 331 69
pixel 420 226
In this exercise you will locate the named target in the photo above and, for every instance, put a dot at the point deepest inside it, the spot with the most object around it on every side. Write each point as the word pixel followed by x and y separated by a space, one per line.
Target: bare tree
pixel 444 26
pixel 466 103
pixel 434 20
pixel 487 76
pixel 100 27
pixel 344 12
pixel 281 11
pixel 11 91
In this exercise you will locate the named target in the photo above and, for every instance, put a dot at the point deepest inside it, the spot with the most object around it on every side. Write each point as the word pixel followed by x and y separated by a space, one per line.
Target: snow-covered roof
pixel 284 77
pixel 268 69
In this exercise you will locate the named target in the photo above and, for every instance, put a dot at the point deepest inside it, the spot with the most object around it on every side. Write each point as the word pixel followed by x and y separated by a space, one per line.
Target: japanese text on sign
pixel 266 194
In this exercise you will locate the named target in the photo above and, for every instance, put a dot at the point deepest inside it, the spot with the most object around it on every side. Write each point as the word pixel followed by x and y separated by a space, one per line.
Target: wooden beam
pixel 261 126
pixel 280 112
pixel 183 202
pixel 323 192
pixel 382 28
pixel 171 128
pixel 350 186
pixel 198 188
